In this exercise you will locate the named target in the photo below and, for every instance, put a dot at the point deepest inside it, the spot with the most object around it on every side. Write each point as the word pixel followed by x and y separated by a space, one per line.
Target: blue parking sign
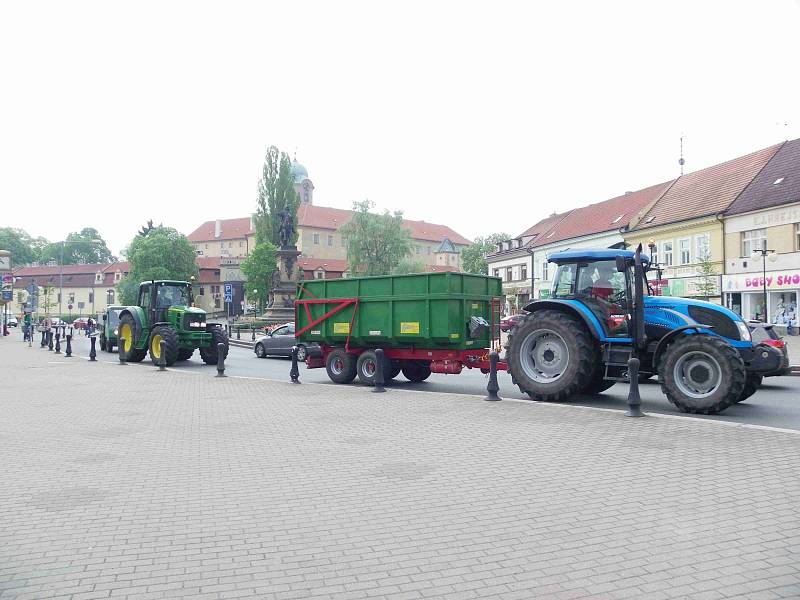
pixel 228 292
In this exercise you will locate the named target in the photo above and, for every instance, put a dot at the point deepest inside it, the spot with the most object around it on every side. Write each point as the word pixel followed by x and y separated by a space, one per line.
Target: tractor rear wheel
pixel 210 354
pixel 550 356
pixel 341 366
pixel 185 353
pixel 751 385
pixel 166 334
pixel 127 334
pixel 702 374
pixel 416 370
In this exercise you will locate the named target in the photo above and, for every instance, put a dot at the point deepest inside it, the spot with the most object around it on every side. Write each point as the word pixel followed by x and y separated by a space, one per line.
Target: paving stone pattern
pixel 123 482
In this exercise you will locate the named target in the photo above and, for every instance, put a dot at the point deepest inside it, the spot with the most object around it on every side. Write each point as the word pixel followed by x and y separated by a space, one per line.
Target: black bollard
pixel 379 371
pixel 294 372
pixel 253 338
pixel 92 351
pixel 69 346
pixel 221 360
pixel 162 356
pixel 58 342
pixel 634 400
pixel 238 333
pixel 492 387
pixel 44 339
pixel 120 353
pixel 50 340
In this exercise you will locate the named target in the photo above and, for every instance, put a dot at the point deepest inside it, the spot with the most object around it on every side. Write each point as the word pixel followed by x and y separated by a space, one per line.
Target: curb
pixel 249 344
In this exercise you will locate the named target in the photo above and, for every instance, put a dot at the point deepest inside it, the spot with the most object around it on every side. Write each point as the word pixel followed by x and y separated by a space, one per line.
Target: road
pixel 776 404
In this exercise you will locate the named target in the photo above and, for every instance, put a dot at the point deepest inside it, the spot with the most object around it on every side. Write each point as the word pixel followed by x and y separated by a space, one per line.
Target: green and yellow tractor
pixel 164 312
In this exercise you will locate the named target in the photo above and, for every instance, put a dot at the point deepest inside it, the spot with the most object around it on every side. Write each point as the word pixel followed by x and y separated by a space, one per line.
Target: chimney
pixel 217 228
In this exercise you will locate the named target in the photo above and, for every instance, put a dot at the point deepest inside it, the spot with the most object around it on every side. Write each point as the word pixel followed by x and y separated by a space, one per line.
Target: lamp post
pixel 651 243
pixel 61 269
pixel 764 252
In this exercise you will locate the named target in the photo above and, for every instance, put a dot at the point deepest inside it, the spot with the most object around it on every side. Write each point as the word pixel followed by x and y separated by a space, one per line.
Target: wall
pixel 780 225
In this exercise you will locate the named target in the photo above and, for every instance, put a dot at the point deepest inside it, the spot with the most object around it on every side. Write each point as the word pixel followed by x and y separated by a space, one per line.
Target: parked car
pixel 764 334
pixel 12 321
pixel 279 342
pixel 79 323
pixel 507 323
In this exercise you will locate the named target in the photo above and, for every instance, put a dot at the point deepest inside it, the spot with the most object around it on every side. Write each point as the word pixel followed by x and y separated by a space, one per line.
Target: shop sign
pixel 775 280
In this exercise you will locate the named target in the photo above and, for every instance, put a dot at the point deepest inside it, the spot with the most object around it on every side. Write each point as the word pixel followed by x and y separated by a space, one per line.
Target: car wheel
pixel 261 351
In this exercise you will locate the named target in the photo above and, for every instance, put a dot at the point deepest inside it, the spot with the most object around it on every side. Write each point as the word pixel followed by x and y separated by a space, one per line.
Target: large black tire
pixel 366 367
pixel 185 353
pixel 702 374
pixel 566 358
pixel 416 370
pixel 260 351
pixel 209 354
pixel 751 385
pixel 127 329
pixel 341 366
pixel 169 336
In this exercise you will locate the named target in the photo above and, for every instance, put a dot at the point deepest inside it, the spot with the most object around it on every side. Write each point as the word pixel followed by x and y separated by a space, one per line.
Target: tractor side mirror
pixel 621 266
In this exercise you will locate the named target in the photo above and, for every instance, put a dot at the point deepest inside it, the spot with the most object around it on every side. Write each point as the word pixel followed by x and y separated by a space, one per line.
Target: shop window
pixel 755 239
pixel 666 248
pixel 684 248
pixel 702 247
pixel 783 308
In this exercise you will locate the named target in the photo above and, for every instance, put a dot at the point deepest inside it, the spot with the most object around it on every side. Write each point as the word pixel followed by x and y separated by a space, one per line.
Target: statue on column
pixel 286 229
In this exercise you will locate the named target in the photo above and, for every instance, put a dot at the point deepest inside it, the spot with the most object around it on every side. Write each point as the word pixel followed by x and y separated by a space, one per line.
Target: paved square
pixel 123 482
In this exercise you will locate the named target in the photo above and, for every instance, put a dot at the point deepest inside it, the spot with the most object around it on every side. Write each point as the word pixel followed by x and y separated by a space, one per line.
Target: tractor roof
pixel 165 282
pixel 590 254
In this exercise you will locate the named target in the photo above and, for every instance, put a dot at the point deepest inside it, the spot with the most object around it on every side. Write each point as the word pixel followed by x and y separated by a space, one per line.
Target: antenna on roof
pixel 681 162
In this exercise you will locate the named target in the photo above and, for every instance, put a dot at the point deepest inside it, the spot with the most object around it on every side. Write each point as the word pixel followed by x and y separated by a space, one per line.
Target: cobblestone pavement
pixel 123 482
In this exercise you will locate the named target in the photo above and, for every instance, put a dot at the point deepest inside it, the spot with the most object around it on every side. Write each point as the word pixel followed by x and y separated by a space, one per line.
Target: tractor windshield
pixel 172 295
pixel 113 318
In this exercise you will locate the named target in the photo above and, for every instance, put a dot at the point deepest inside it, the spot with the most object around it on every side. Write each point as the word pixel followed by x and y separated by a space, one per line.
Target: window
pixel 316 239
pixel 755 239
pixel 684 247
pixel 545 274
pixel 427 250
pixel 117 276
pixel 702 247
pixel 109 297
pixel 71 298
pixel 319 274
pixel 797 237
pixel 98 278
pixel 509 274
pixel 202 291
pixel 241 244
pixel 230 244
pixel 496 272
pixel 206 246
pixel 654 255
pixel 666 251
pixel 330 240
pixel 216 303
pixel 524 269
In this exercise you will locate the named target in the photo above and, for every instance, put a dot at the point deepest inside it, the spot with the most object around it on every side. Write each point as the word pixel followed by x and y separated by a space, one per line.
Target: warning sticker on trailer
pixel 408 328
pixel 375 332
pixel 316 332
pixel 343 328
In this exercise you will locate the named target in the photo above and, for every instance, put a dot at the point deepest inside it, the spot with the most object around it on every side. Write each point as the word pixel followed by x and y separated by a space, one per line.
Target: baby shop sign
pixel 782 280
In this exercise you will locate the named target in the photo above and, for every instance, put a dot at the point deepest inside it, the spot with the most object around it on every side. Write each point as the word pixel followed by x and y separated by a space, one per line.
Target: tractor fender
pixel 674 334
pixel 138 318
pixel 572 308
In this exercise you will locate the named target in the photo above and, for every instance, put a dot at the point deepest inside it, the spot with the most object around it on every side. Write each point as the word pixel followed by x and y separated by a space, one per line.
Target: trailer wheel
pixel 751 385
pixel 550 356
pixel 341 366
pixel 416 370
pixel 702 374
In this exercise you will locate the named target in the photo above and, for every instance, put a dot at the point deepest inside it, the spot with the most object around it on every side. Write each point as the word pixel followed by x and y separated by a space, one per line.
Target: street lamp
pixel 61 269
pixel 764 252
pixel 651 243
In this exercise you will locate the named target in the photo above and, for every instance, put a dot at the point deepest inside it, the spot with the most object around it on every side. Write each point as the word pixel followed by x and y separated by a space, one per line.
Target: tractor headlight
pixel 744 331
pixel 196 324
pixel 116 332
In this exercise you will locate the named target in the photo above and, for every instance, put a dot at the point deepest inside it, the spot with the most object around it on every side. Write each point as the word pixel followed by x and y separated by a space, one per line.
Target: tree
pixel 473 258
pixel 707 285
pixel 375 243
pixel 408 265
pixel 258 268
pixel 161 254
pixel 24 249
pixel 79 248
pixel 275 193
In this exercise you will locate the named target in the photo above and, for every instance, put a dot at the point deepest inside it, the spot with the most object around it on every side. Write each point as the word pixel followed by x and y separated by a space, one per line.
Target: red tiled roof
pixel 543 226
pixel 777 184
pixel 55 270
pixel 333 265
pixel 230 229
pixel 610 215
pixel 708 191
pixel 207 262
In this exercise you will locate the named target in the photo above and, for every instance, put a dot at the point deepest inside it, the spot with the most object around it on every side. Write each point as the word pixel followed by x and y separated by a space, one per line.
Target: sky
pixel 484 116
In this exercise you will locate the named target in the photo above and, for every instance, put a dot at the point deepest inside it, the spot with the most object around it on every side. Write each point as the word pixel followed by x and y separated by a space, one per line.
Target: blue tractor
pixel 600 313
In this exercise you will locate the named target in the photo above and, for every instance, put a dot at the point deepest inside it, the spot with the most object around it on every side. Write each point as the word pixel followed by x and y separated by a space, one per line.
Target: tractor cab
pixel 156 297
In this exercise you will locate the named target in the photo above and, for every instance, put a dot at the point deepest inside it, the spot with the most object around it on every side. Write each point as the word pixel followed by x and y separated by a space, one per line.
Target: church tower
pixel 302 184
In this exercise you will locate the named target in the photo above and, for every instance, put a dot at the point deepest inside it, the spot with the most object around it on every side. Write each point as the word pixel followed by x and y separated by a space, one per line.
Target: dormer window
pixel 650 219
pixel 617 220
pixel 117 276
pixel 778 181
pixel 98 277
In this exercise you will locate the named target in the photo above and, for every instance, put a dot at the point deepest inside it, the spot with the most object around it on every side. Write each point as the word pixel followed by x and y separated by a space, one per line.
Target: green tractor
pixel 165 313
pixel 110 328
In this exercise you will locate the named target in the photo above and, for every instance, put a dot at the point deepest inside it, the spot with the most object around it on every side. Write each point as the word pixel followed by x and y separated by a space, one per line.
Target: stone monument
pixel 285 277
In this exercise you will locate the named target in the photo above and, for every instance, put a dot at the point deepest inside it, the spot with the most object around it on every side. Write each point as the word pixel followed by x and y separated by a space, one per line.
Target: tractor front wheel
pixel 166 334
pixel 210 354
pixel 185 353
pixel 702 374
pixel 550 356
pixel 127 341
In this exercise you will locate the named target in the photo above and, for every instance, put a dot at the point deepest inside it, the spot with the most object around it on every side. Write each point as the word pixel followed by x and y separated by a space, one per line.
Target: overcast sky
pixel 485 116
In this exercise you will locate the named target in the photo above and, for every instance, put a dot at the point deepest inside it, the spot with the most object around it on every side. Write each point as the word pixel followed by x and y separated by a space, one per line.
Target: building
pixel 685 225
pixel 766 217
pixel 87 289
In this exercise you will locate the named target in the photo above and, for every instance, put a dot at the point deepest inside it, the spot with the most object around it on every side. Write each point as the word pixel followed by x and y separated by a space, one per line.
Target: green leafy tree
pixel 473 258
pixel 258 268
pixel 24 249
pixel 375 243
pixel 707 285
pixel 81 247
pixel 162 253
pixel 408 265
pixel 275 193
pixel 46 302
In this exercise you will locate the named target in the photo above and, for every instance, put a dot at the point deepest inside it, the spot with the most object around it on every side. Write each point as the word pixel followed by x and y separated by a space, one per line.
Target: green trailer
pixel 424 323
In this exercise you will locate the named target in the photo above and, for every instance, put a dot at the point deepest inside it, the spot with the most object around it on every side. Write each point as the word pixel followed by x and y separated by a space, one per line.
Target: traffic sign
pixel 69 306
pixel 228 292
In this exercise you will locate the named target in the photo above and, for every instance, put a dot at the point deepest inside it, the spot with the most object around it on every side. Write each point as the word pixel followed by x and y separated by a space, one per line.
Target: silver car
pixel 280 342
